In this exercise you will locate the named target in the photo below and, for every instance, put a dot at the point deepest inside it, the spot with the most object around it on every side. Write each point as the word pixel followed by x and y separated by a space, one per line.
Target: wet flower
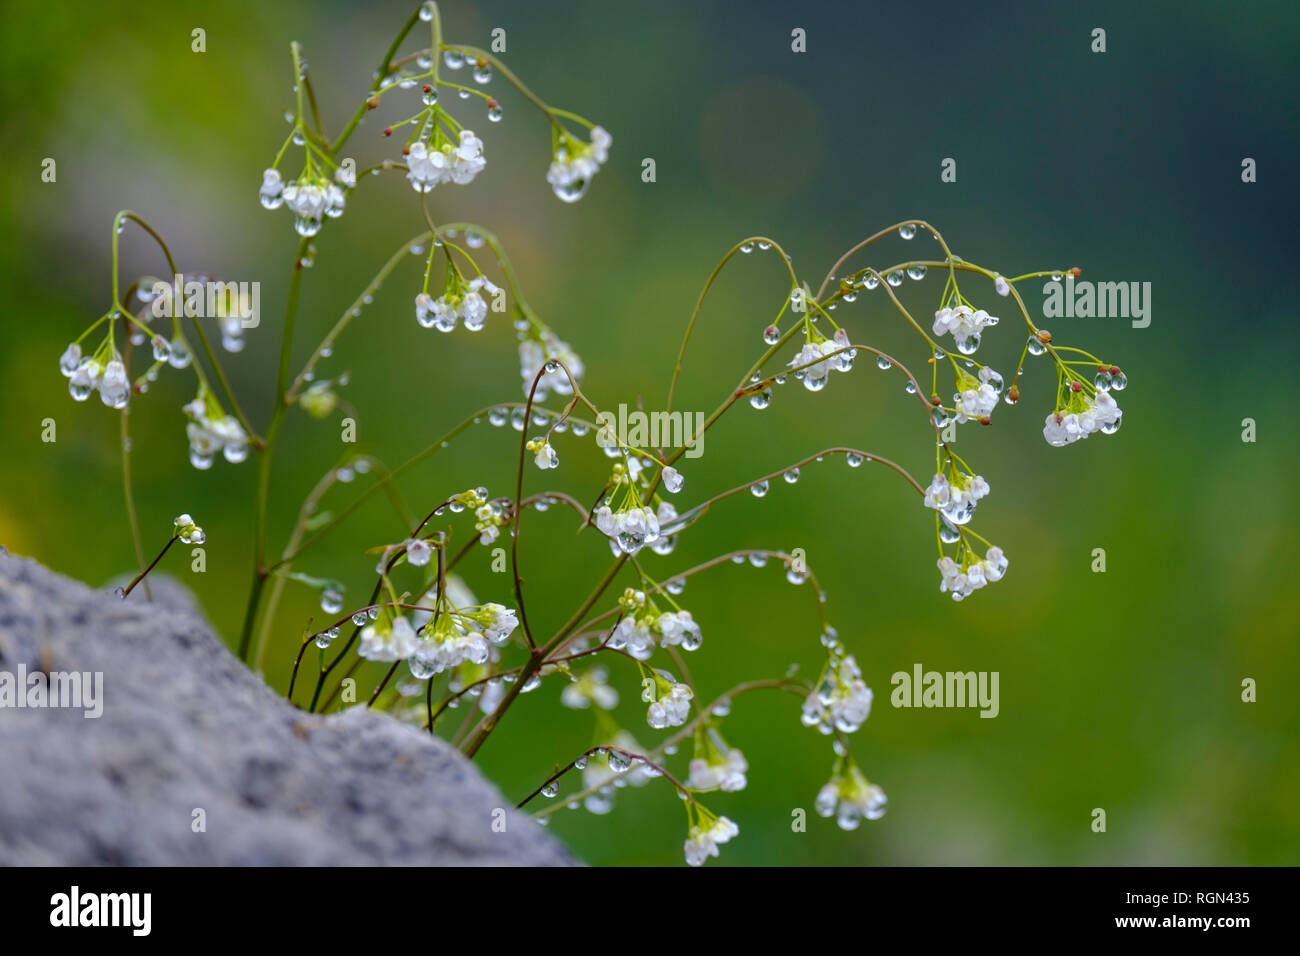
pixel 673 480
pixel 544 454
pixel 842 700
pixel 704 838
pixel 717 766
pixel 590 688
pixel 963 578
pixel 185 529
pixel 851 798
pixel 679 627
pixel 388 639
pixel 598 775
pixel 211 430
pixel 538 350
pixel 460 301
pixel 630 529
pixel 964 324
pixel 1081 417
pixel 976 398
pixel 956 494
pixel 446 163
pixel 575 163
pixel 670 702
pixel 418 552
pixel 813 355
pixel 272 191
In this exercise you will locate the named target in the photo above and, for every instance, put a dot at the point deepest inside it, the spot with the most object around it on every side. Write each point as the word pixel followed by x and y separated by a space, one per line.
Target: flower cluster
pixel 588 689
pixel 603 777
pixel 189 533
pixel 976 398
pixel 445 163
pixel 460 301
pixel 670 702
pixel 961 578
pixel 211 430
pixel 87 375
pixel 642 623
pixel 540 349
pixel 630 529
pixel 574 163
pixel 842 700
pixel 956 494
pixel 390 637
pixel 1082 416
pixel 821 355
pixel 964 324
pixel 310 197
pixel 704 837
pixel 851 798
pixel 715 765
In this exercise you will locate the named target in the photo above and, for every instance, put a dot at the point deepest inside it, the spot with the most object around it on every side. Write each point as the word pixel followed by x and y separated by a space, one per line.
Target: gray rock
pixel 185 725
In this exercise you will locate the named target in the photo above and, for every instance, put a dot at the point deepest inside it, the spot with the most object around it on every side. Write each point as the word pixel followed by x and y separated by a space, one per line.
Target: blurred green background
pixel 1118 690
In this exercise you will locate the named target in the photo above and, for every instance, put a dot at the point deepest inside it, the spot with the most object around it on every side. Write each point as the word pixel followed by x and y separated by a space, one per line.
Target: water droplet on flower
pixel 883 363
pixel 791 476
pixel 331 601
pixel 916 271
pixel 550 789
pixel 907 230
pixel 854 459
pixel 895 278
pixel 761 400
pixel 758 489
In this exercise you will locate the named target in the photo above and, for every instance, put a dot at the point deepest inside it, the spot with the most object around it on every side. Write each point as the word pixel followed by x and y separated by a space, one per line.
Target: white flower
pixel 590 688
pixel 961 580
pixel 597 773
pixel 703 839
pixel 473 310
pixel 500 622
pixel 70 360
pixel 84 379
pixel 976 400
pixel 815 375
pixel 721 770
pixel 629 530
pixel 853 797
pixel 451 645
pixel 841 702
pixel 633 636
pixel 574 164
pixel 964 324
pixel 459 164
pixel 673 480
pixel 346 176
pixel 309 202
pixel 210 431
pixel 114 387
pixel 534 354
pixel 671 708
pixel 956 499
pixel 679 627
pixel 385 640
pixel 1098 413
pixel 188 532
pixel 418 552
pixel 272 192
pixel 544 455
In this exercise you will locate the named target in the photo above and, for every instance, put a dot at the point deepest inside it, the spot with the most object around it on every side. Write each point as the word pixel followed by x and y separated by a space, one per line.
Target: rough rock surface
pixel 186 726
